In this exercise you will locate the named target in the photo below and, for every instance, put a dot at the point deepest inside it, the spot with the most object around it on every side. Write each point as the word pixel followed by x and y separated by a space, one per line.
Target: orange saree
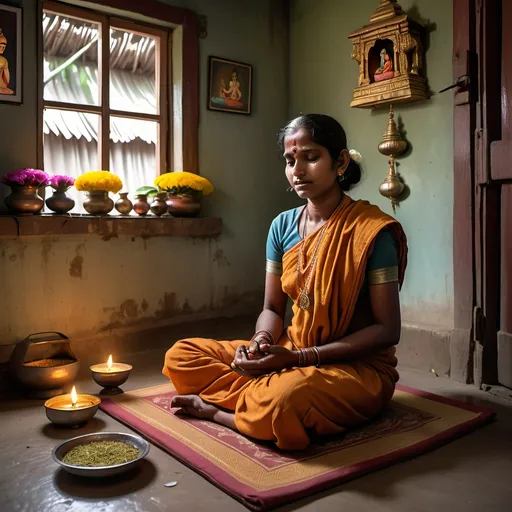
pixel 287 406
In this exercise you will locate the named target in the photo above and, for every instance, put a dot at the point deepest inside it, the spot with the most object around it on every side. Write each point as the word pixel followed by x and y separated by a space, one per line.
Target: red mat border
pixel 258 500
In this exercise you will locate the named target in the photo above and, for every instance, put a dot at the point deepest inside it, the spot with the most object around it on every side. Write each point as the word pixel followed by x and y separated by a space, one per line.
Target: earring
pixel 341 177
pixel 289 189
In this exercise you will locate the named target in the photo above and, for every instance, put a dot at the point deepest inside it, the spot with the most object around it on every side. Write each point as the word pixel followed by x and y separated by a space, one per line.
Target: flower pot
pixel 123 205
pixel 24 200
pixel 60 202
pixel 183 205
pixel 98 203
pixel 159 206
pixel 141 205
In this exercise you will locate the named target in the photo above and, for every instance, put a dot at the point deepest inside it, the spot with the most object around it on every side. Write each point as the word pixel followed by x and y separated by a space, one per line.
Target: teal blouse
pixel 382 266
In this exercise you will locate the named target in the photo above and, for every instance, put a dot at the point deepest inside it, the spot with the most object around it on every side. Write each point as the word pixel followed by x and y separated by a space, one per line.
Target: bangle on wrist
pixel 261 340
pixel 308 357
pixel 317 354
pixel 266 334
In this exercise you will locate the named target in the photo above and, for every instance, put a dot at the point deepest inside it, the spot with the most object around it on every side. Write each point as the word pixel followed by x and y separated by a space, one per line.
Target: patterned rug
pixel 261 476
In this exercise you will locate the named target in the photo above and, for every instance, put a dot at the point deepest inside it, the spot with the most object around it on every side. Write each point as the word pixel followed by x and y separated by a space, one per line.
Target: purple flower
pixel 60 181
pixel 26 177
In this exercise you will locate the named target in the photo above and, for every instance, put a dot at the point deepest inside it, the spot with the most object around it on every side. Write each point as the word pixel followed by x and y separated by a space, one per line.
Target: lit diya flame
pixel 74 396
pixel 109 362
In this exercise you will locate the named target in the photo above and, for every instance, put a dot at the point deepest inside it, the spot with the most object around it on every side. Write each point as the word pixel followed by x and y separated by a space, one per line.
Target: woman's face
pixel 309 167
pixel 234 76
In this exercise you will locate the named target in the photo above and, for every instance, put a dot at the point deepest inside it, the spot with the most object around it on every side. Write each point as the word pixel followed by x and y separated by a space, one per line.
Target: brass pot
pixel 183 205
pixel 159 206
pixel 141 205
pixel 60 202
pixel 44 381
pixel 24 200
pixel 98 203
pixel 123 205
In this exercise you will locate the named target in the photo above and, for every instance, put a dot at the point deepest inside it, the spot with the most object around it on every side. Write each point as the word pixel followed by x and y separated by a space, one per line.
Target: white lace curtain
pixel 72 157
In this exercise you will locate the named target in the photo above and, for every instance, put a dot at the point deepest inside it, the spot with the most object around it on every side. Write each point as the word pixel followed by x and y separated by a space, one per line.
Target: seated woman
pixel 341 262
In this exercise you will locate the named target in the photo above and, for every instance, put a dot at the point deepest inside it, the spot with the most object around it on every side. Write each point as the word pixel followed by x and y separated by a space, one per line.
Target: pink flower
pixel 60 181
pixel 26 177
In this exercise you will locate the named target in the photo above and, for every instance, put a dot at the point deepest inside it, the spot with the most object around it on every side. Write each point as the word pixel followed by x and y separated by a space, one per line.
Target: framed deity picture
pixel 230 86
pixel 10 54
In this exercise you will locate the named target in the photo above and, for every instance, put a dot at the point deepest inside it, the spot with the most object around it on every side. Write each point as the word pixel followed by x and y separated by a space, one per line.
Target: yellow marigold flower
pixel 98 180
pixel 184 183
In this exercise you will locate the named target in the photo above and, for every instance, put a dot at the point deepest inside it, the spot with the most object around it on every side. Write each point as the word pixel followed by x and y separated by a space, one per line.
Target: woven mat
pixel 261 476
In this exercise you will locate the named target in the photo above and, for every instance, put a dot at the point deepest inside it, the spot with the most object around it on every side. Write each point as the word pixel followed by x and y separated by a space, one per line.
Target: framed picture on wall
pixel 230 86
pixel 11 85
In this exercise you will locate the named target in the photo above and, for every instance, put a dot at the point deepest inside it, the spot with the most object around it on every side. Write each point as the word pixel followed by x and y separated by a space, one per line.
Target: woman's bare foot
pixel 195 406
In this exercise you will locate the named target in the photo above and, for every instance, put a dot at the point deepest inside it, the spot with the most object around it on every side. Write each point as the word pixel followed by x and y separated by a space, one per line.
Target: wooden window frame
pixel 164 101
pixel 187 122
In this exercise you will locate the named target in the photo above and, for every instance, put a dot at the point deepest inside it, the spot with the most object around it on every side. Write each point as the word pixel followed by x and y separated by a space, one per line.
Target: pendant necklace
pixel 303 300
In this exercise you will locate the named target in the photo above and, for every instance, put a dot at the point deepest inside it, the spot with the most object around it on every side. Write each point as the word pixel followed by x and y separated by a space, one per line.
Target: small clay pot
pixel 60 202
pixel 159 206
pixel 123 205
pixel 141 205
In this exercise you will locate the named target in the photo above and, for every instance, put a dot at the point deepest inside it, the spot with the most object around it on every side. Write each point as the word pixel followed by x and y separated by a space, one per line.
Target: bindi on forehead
pixel 294 146
pixel 299 142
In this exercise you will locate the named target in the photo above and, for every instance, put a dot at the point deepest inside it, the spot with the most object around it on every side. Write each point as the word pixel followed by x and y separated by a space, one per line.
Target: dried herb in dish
pixel 101 453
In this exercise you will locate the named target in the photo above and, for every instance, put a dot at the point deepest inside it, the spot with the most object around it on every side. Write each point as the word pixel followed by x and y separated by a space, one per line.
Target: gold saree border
pixel 383 275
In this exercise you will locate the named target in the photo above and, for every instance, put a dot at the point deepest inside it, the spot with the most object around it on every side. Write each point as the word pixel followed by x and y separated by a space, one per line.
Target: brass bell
pixel 392 145
pixel 392 187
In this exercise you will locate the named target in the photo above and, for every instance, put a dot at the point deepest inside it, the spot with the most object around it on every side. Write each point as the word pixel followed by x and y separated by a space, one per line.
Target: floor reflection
pixel 106 487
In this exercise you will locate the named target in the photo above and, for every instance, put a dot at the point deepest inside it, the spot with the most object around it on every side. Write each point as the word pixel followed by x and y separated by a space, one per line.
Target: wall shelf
pixel 107 226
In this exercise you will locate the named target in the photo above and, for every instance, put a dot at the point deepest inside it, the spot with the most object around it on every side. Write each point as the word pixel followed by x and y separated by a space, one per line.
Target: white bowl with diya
pixel 71 410
pixel 110 376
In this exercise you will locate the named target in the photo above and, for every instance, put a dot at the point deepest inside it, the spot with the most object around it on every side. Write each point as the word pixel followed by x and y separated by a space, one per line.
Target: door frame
pixel 462 345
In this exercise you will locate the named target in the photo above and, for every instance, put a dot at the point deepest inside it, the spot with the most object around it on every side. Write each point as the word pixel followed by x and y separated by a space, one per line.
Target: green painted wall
pixel 322 78
pixel 143 282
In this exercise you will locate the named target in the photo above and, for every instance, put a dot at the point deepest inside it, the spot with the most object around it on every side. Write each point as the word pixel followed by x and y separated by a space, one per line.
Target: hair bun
pixel 352 176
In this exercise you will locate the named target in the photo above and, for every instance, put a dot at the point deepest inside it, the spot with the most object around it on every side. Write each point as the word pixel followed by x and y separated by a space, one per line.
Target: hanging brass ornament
pixel 392 145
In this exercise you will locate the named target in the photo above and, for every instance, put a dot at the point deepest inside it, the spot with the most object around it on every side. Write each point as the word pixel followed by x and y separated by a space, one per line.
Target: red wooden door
pixel 493 201
pixel 501 171
pixel 505 333
pixel 483 187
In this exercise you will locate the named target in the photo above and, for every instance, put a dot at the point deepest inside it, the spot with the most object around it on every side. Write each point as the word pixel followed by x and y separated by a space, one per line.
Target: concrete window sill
pixel 107 226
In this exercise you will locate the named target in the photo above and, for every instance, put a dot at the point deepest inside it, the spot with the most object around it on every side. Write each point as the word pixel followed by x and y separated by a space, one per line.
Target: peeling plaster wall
pixel 86 285
pixel 82 286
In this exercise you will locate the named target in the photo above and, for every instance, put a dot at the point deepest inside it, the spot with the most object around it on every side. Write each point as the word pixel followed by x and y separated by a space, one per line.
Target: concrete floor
pixel 471 474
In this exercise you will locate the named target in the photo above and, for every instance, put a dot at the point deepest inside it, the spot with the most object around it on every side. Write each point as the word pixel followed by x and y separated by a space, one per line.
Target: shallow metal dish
pixel 136 441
